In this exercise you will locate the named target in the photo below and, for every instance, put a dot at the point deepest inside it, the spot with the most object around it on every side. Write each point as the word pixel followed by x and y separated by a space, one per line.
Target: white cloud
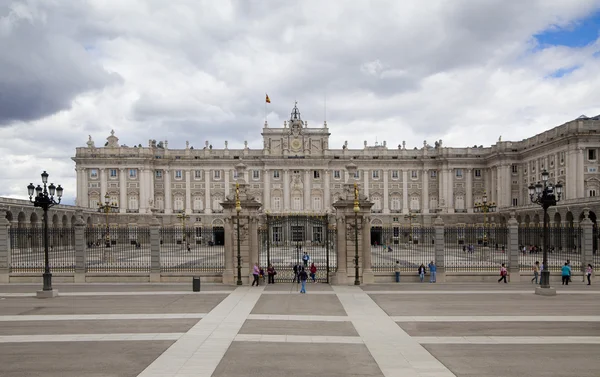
pixel 461 71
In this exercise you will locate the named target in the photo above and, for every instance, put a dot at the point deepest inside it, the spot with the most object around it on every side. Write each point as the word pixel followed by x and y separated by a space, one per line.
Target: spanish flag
pixel 267 99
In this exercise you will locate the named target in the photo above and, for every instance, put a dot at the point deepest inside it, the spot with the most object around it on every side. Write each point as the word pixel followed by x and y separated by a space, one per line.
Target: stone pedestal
pixel 47 294
pixel 545 291
pixel 229 277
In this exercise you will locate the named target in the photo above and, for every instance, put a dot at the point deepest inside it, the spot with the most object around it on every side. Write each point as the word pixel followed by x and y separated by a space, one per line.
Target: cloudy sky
pixel 463 71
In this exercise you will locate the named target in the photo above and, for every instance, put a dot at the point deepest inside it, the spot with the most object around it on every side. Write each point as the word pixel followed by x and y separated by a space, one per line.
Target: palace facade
pixel 298 171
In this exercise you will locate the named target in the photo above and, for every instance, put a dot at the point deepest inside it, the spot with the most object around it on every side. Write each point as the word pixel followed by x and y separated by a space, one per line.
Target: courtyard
pixel 406 329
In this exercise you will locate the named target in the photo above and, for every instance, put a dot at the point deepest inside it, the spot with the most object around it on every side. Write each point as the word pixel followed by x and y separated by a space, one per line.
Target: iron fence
pixel 411 246
pixel 117 249
pixel 284 240
pixel 27 249
pixel 192 249
pixel 475 248
pixel 564 244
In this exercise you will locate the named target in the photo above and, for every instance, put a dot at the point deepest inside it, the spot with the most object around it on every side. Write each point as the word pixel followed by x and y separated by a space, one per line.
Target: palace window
pixel 478 172
pixel 592 192
pixel 277 203
pixel 297 203
pixel 459 173
pixel 217 174
pixel 276 174
pixel 414 174
pixel 133 202
pixel 433 174
pixel 592 154
pixel 113 173
pixel 132 174
pixel 395 174
pixel 317 203
pixel 336 174
pixel 375 174
pixel 515 202
pixel 316 174
pixel 94 173
pixel 255 174
pixel 198 174
pixel 395 203
pixel 158 174
pixel 178 174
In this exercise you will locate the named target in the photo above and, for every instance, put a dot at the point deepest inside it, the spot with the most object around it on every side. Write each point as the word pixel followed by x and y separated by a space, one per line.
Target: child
pixel 422 272
pixel 503 273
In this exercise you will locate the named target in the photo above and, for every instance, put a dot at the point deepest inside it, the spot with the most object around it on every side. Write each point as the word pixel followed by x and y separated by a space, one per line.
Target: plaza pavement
pixel 406 329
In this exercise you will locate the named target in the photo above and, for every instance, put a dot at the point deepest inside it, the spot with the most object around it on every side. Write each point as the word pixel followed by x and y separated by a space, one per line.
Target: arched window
pixel 198 203
pixel 459 202
pixel 178 203
pixel 414 203
pixel 133 202
pixel 396 203
pixel 277 203
pixel 160 203
pixel 317 203
pixel 297 203
pixel 377 203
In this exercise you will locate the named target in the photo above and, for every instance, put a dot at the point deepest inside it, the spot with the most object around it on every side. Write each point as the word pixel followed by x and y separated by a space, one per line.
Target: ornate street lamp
pixel 484 207
pixel 356 210
pixel 107 208
pixel 546 195
pixel 44 198
pixel 238 209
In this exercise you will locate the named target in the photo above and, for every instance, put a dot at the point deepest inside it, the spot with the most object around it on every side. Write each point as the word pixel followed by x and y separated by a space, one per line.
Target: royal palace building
pixel 297 171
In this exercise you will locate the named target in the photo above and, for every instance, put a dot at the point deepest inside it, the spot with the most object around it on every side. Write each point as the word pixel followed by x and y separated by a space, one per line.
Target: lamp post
pixel 238 209
pixel 356 210
pixel 44 198
pixel 183 217
pixel 546 195
pixel 107 208
pixel 484 207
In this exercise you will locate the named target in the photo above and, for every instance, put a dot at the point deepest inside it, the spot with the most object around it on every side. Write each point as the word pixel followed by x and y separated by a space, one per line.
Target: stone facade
pixel 298 171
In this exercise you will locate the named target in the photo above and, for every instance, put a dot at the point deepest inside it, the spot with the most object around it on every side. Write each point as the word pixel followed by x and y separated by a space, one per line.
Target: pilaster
pixel 188 192
pixel 80 248
pixel 438 226
pixel 405 192
pixel 207 201
pixel 4 246
pixel 386 189
pixel 168 194
pixel 425 190
pixel 513 249
pixel 122 190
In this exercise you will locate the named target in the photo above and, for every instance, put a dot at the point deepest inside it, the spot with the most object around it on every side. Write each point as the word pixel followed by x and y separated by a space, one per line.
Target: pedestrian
pixel 422 272
pixel 566 273
pixel 296 269
pixel 303 277
pixel 503 273
pixel 255 274
pixel 536 272
pixel 313 272
pixel 262 274
pixel 397 271
pixel 271 274
pixel 588 273
pixel 570 271
pixel 432 272
pixel 305 259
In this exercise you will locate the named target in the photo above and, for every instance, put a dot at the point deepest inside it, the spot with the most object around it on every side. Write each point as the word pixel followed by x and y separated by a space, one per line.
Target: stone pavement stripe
pixel 199 351
pixel 507 339
pixel 296 292
pixel 494 318
pixel 88 337
pixel 96 317
pixel 284 317
pixel 490 292
pixel 297 339
pixel 138 293
pixel 396 353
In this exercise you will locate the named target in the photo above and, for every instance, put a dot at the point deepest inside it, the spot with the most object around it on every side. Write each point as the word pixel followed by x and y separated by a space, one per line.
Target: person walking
pixel 303 278
pixel 536 272
pixel 566 273
pixel 255 274
pixel 313 272
pixel 503 273
pixel 588 273
pixel 422 272
pixel 432 272
pixel 305 259
pixel 397 271
pixel 271 274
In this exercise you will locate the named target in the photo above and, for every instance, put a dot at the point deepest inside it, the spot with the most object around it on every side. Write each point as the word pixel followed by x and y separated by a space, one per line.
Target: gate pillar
pixel 354 232
pixel 246 230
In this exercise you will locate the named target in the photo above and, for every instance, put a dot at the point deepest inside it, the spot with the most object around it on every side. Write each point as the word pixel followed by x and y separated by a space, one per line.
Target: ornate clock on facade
pixel 296 144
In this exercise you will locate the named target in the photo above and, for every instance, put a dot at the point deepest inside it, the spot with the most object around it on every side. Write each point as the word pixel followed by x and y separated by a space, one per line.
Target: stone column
pixel 228 273
pixel 286 190
pixel 4 246
pixel 79 183
pixel 579 174
pixel 168 194
pixel 450 190
pixel 266 190
pixel 80 248
pixel 441 190
pixel 405 208
pixel 386 194
pixel 188 192
pixel 367 271
pixel 326 191
pixel 469 190
pixel 122 190
pixel 306 206
pixel 143 198
pixel 587 250
pixel 513 249
pixel 366 182
pixel 438 226
pixel 103 183
pixel 425 190
pixel 207 202
pixel 226 175
pixel 155 250
pixel 341 275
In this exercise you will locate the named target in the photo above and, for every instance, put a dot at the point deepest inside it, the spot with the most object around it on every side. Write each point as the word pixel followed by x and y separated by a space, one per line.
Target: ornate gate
pixel 284 239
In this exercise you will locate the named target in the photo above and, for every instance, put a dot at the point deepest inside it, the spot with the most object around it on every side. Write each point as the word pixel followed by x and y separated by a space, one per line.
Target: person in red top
pixel 313 272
